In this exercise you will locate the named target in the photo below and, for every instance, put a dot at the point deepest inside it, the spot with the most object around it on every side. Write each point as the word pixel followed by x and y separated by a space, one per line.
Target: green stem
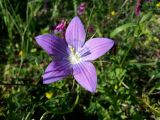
pixel 75 7
pixel 126 54
pixel 46 113
pixel 89 19
pixel 151 108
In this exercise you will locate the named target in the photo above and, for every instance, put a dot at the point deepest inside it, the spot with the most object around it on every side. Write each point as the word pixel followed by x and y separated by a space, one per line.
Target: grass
pixel 128 76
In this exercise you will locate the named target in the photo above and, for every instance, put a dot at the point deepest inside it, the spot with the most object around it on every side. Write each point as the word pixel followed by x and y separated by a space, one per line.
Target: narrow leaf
pixel 121 28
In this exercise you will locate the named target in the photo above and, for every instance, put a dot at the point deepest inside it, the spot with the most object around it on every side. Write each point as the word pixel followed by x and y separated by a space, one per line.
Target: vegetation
pixel 128 76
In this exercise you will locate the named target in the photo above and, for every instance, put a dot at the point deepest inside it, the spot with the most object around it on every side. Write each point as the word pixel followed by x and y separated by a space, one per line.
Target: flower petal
pixel 75 33
pixel 56 70
pixel 52 45
pixel 96 47
pixel 85 75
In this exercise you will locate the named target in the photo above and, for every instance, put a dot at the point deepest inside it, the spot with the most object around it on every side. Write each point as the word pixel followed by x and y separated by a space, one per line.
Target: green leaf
pixel 157 86
pixel 146 17
pixel 121 28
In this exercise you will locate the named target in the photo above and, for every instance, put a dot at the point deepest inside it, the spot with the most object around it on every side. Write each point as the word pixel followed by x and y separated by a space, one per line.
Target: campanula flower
pixel 73 56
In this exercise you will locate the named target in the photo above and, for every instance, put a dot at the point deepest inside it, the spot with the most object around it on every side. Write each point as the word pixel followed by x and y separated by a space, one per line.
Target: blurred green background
pixel 128 76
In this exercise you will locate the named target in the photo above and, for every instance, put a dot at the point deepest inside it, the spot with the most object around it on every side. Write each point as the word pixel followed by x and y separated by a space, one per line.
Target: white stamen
pixel 74 57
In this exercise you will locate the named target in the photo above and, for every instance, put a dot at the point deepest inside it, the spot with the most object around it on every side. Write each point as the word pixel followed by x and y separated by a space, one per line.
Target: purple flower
pixel 59 28
pixel 72 56
pixel 138 7
pixel 81 8
pixel 90 29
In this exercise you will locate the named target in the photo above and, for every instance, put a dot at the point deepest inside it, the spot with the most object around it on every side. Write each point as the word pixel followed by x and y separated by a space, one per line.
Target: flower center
pixel 74 57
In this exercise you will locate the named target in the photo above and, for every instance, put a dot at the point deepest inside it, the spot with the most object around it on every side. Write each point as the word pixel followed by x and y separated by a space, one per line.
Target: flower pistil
pixel 74 57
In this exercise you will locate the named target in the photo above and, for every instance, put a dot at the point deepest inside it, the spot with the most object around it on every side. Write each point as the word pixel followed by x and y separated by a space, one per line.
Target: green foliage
pixel 128 76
